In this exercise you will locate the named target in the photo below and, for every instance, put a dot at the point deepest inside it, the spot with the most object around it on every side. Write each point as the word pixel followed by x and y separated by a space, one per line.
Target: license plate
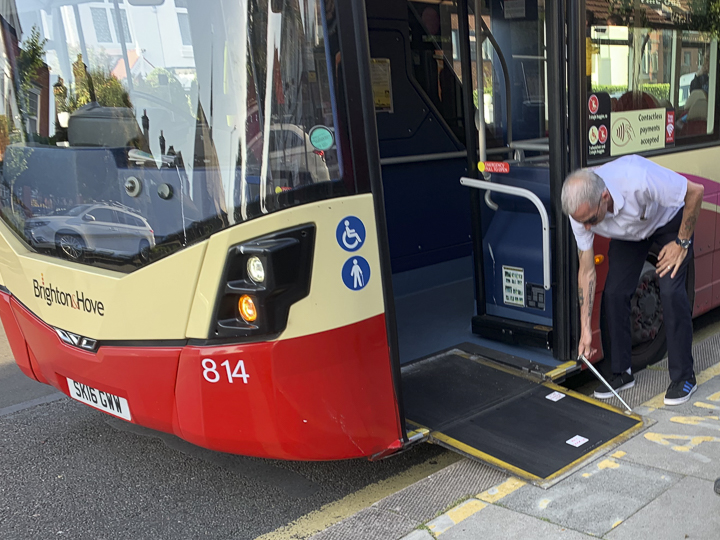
pixel 111 404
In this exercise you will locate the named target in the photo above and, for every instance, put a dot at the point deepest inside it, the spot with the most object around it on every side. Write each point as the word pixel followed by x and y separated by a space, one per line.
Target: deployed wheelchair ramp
pixel 499 415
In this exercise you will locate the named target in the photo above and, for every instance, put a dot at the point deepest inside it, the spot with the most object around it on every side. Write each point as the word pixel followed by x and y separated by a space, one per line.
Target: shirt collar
pixel 618 199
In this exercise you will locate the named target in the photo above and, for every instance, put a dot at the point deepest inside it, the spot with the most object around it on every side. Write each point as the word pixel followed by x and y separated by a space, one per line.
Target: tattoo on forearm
pixel 591 296
pixel 580 298
pixel 689 225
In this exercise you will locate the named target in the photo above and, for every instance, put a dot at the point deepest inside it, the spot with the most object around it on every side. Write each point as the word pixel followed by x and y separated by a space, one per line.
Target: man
pixel 636 203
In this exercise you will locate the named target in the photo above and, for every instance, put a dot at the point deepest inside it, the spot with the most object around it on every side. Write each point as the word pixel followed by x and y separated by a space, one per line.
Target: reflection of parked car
pixel 92 229
pixel 291 156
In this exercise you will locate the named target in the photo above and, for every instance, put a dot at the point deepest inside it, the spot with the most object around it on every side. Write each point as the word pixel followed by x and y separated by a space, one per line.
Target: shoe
pixel 680 391
pixel 620 381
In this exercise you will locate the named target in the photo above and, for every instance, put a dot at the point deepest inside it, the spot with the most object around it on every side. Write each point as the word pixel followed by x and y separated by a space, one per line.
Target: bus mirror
pixel 146 2
pixel 277 5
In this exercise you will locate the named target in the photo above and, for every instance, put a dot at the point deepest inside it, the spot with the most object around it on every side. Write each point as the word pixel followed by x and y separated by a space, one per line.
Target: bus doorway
pixel 471 269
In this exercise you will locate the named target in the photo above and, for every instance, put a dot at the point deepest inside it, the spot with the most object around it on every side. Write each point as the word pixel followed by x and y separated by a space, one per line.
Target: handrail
pixel 506 74
pixel 527 194
pixel 417 158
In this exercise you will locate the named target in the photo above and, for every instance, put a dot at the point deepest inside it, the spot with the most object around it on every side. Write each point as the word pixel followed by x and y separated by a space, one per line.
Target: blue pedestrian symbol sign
pixel 350 233
pixel 356 273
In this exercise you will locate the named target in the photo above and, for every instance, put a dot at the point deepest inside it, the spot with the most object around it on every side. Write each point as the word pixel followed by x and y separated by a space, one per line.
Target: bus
pixel 331 229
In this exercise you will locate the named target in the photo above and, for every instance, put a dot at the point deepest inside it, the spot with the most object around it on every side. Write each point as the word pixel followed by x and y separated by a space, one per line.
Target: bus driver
pixel 635 203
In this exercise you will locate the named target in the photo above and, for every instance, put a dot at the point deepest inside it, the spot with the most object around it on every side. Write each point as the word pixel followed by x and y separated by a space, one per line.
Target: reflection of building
pixel 157 36
pixel 613 38
pixel 37 101
pixel 109 37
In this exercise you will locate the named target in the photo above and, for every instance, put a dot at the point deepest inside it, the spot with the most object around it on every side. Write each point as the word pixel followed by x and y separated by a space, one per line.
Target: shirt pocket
pixel 648 211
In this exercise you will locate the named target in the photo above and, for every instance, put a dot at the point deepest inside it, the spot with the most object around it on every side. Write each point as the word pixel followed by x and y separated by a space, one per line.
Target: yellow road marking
pixel 496 493
pixel 714 397
pixel 692 441
pixel 543 504
pixel 608 464
pixel 618 522
pixel 465 510
pixel 619 454
pixel 708 374
pixel 334 512
pixel 705 405
pixel 692 420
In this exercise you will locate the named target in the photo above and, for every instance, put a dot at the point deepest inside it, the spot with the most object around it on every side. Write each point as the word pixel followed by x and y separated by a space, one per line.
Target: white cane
pixel 597 374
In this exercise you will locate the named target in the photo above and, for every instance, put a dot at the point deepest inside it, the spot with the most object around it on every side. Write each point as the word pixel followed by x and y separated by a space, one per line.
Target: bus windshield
pixel 132 129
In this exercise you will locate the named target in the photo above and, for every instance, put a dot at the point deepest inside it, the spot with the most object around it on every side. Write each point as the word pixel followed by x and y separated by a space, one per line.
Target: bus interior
pixel 475 321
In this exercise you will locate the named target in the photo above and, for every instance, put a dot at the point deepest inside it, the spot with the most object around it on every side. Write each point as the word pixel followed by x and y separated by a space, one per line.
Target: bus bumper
pixel 319 397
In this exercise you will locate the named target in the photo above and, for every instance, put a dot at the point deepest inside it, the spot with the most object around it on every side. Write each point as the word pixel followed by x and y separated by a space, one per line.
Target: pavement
pixel 659 484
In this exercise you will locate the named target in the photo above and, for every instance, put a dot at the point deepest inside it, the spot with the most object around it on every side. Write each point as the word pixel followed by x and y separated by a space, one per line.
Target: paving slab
pixel 595 498
pixel 690 509
pixel 684 439
pixel 496 522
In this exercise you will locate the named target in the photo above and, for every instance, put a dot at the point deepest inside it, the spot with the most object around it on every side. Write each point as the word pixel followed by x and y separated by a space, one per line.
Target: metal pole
pixel 121 36
pixel 472 152
pixel 479 70
pixel 597 374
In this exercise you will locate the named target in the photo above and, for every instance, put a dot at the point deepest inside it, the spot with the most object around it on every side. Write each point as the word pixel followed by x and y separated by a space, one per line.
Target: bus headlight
pixel 263 277
pixel 255 269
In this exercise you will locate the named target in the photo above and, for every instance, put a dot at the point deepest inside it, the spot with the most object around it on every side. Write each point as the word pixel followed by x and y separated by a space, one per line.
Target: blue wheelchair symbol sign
pixel 350 233
pixel 356 273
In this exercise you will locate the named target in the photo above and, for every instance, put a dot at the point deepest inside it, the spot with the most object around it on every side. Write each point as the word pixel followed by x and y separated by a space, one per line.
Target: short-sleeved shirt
pixel 645 195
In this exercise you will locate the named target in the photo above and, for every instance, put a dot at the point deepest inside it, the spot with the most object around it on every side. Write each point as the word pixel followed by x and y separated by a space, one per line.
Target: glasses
pixel 593 220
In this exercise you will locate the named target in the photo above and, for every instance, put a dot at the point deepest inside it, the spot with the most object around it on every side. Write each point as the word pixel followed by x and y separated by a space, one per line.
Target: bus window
pixel 649 57
pixel 435 41
pixel 185 117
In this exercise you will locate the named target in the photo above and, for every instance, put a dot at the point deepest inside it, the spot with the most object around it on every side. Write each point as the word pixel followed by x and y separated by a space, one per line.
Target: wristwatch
pixel 683 243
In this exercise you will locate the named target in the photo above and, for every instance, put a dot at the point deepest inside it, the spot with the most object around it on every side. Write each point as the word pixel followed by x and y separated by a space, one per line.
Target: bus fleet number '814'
pixel 212 373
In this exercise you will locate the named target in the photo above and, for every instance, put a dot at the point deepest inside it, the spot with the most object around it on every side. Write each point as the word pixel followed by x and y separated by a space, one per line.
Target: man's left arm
pixel 672 255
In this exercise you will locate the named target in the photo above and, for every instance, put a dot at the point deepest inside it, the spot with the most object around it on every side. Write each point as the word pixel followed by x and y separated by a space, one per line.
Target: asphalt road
pixel 70 471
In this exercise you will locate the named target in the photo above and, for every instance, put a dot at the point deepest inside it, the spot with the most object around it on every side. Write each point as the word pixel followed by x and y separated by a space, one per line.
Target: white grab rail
pixel 527 194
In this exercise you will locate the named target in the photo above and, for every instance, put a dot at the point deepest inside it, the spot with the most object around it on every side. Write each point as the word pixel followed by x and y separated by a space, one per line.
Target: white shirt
pixel 645 196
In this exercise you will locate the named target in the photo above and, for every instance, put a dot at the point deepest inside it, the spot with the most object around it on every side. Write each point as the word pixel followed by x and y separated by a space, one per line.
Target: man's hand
pixel 671 257
pixel 585 347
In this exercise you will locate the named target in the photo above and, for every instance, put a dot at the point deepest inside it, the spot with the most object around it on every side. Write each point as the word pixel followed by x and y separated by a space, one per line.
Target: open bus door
pixel 477 376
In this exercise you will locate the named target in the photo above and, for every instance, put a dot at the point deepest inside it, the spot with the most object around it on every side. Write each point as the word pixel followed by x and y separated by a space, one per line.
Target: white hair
pixel 581 186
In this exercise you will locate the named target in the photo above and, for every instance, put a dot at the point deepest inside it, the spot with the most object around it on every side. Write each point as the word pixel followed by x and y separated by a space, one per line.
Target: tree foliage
pixel 98 83
pixel 31 59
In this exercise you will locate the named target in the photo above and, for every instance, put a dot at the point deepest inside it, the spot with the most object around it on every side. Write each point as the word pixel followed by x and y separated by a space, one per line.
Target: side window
pixel 103 215
pixel 661 65
pixel 123 218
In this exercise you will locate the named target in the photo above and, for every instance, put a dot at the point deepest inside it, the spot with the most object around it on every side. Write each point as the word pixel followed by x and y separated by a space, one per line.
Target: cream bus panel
pixel 330 303
pixel 152 303
pixel 702 162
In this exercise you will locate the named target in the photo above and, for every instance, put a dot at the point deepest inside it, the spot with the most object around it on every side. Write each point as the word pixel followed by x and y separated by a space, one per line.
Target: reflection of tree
pixel 694 15
pixel 163 85
pixel 705 16
pixel 30 60
pixel 98 83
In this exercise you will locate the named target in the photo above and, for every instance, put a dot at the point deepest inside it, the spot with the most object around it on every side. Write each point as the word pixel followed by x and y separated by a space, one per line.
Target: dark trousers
pixel 626 260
